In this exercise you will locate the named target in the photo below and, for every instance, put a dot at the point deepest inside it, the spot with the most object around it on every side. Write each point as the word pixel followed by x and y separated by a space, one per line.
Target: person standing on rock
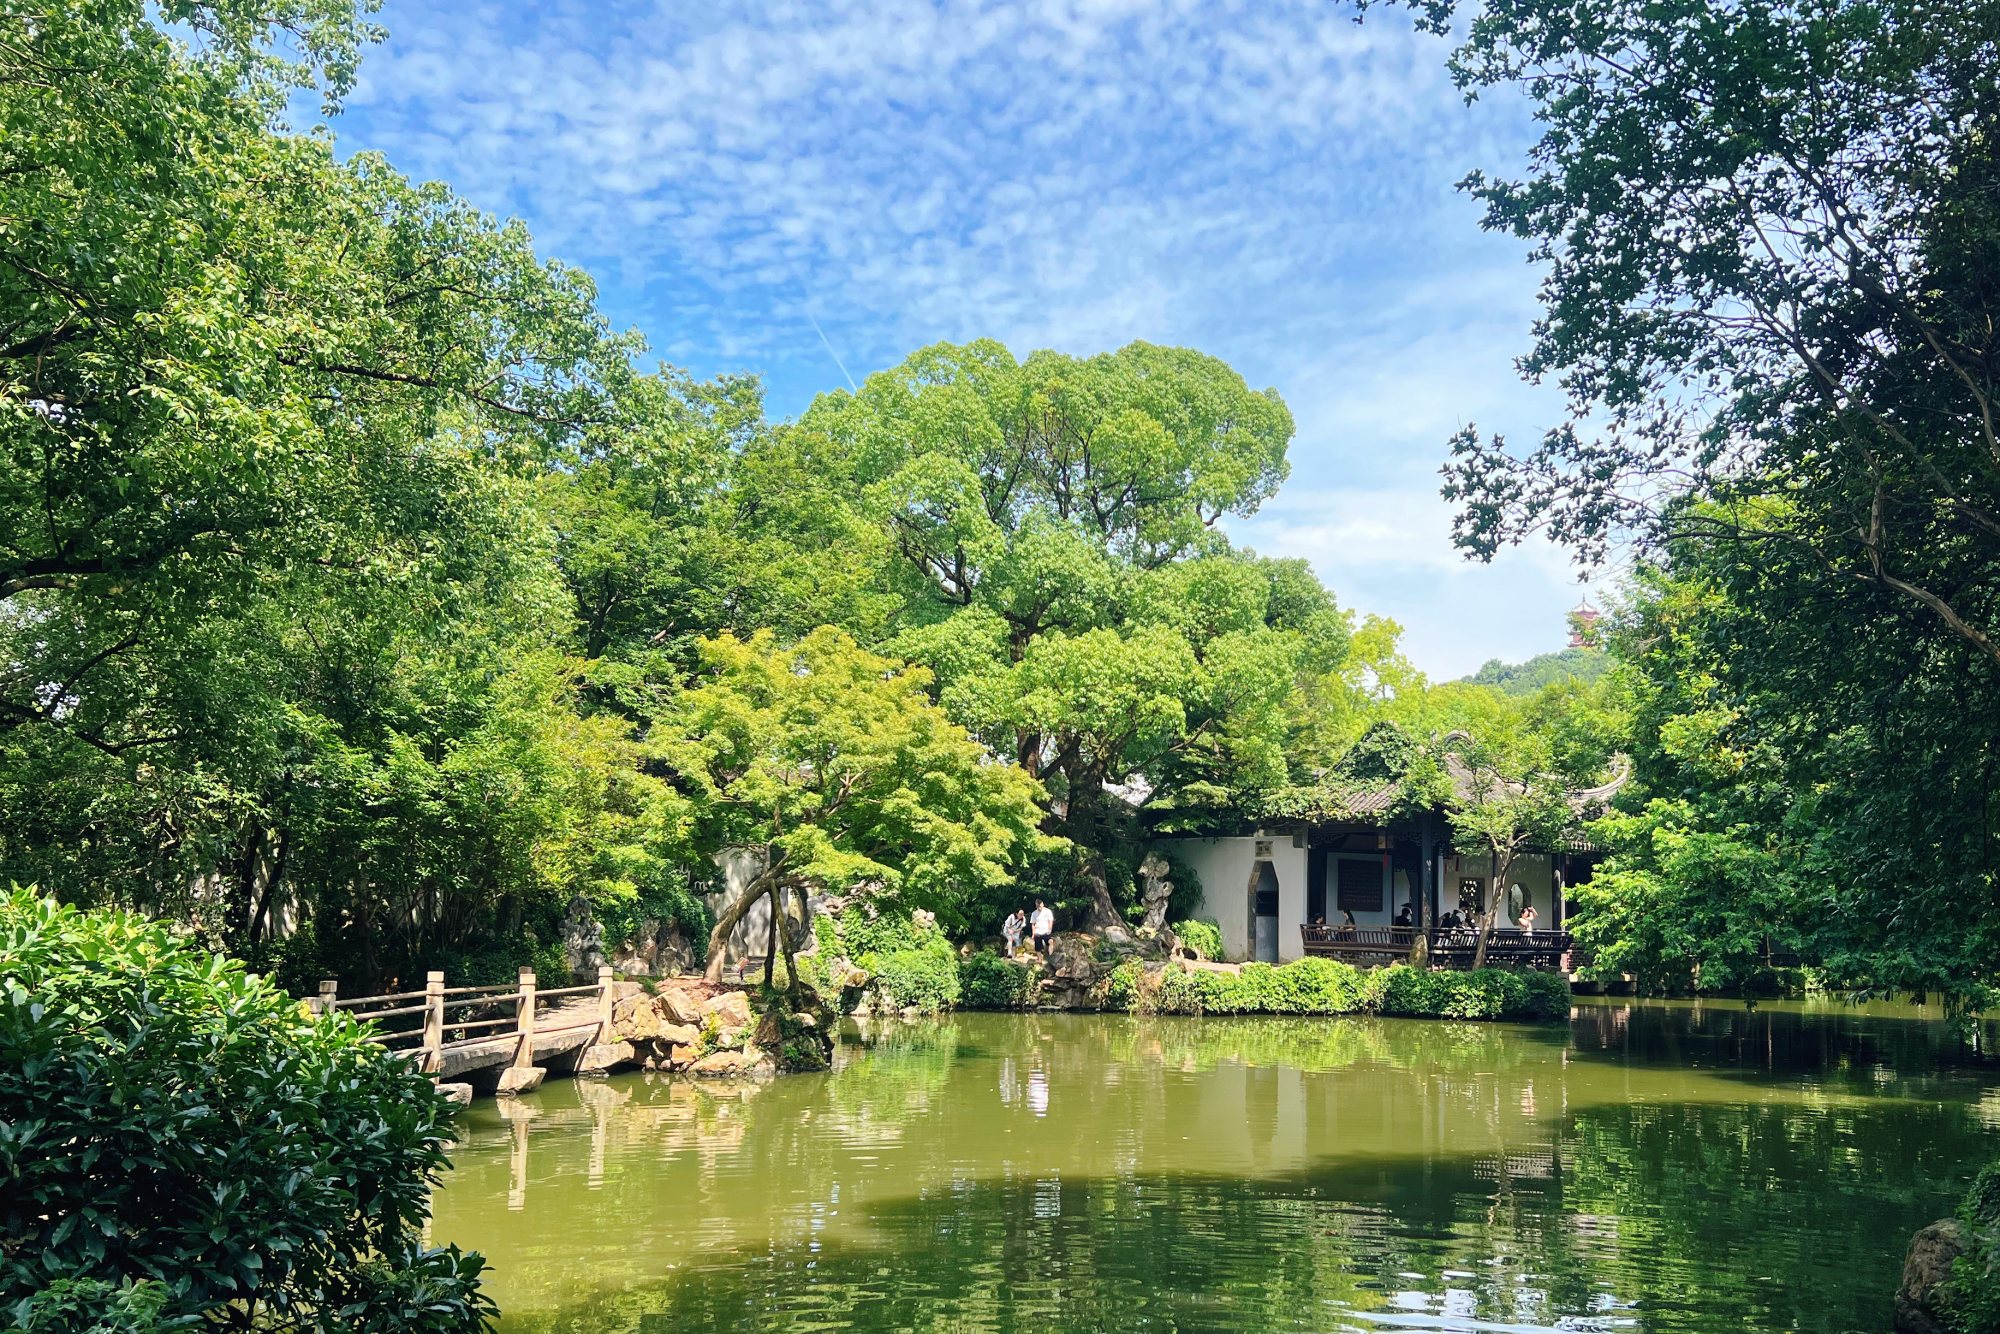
pixel 1043 924
pixel 1011 929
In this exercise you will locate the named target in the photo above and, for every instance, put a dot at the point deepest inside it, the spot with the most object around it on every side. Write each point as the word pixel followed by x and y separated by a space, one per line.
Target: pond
pixel 1651 1167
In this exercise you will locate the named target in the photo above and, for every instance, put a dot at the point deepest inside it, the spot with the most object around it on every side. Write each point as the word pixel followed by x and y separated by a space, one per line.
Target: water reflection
pixel 1651 1167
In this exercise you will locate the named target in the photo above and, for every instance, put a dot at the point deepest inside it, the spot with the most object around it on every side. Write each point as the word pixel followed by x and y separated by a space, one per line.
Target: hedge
pixel 1305 986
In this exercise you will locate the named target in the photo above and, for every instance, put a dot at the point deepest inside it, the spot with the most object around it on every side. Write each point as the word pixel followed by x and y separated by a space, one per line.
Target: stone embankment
pixel 689 1026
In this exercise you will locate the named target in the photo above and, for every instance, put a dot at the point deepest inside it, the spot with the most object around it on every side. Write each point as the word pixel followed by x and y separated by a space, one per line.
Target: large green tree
pixel 1054 557
pixel 831 768
pixel 297 462
pixel 1769 234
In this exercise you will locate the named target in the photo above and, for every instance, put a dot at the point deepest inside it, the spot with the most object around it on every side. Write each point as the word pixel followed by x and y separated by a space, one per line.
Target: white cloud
pixel 1267 181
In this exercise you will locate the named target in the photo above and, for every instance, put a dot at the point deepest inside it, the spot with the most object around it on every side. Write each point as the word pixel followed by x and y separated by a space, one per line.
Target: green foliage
pixel 1202 936
pixel 1326 986
pixel 94 1306
pixel 988 982
pixel 1489 993
pixel 1971 1297
pixel 832 766
pixel 263 1155
pixel 619 917
pixel 924 978
pixel 1584 666
pixel 1052 529
pixel 1768 235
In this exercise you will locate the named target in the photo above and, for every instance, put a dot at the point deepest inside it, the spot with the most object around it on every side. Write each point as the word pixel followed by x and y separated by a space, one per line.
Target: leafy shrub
pixel 988 982
pixel 1203 937
pixel 1490 993
pixel 93 1306
pixel 1547 996
pixel 860 935
pixel 1181 991
pixel 619 915
pixel 1327 986
pixel 262 1154
pixel 1971 1297
pixel 925 978
pixel 1125 988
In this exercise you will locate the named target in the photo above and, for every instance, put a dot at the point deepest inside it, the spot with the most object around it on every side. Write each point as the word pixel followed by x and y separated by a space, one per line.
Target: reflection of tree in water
pixel 1817 1205
pixel 1200 1174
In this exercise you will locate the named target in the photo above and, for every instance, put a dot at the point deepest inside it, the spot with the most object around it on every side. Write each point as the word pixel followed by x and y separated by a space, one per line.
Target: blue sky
pixel 1268 182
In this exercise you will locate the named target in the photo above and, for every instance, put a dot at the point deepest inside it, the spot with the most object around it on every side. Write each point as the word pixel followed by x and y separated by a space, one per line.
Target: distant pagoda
pixel 1583 631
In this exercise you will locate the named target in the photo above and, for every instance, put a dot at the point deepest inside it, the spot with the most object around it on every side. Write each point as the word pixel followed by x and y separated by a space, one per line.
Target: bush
pixel 1490 993
pixel 1326 986
pixel 1547 996
pixel 988 982
pixel 1971 1297
pixel 924 978
pixel 178 1140
pixel 1204 938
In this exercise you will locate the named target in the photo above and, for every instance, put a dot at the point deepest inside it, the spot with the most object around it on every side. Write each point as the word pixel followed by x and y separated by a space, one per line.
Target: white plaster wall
pixel 1224 866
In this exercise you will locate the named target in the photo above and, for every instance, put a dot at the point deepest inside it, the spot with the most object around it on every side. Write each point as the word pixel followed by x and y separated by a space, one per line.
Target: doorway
pixel 1264 914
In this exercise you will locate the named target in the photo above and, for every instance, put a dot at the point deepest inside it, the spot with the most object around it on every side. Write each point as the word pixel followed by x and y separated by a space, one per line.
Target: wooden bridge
pixel 504 1036
pixel 1371 946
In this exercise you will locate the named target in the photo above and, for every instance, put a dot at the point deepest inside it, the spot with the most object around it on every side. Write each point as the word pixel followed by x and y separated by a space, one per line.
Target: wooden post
pixel 433 1058
pixel 524 1021
pixel 603 1003
pixel 329 992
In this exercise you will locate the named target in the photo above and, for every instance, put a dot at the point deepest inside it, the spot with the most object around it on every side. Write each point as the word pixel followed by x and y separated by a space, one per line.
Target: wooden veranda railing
pixel 460 1019
pixel 1447 948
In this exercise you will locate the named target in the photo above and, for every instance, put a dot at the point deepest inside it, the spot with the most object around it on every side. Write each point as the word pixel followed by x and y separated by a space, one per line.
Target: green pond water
pixel 1653 1167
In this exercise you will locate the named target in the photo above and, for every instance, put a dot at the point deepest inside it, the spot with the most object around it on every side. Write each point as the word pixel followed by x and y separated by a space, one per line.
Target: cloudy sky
pixel 812 190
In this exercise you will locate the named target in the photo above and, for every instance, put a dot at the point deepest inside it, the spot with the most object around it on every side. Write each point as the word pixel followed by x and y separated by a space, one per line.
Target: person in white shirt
pixel 1043 926
pixel 1011 929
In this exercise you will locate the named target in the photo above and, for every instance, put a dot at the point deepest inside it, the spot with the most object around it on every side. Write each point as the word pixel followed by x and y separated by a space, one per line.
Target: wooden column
pixel 1427 893
pixel 603 1003
pixel 524 1021
pixel 433 1057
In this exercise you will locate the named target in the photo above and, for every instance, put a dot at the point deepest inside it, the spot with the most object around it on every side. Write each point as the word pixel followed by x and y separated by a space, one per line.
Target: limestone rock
pixel 731 1009
pixel 680 1004
pixel 770 1031
pixel 520 1079
pixel 603 1056
pixel 459 1094
pixel 1155 891
pixel 657 947
pixel 583 942
pixel 1927 1265
pixel 720 1064
pixel 682 1054
pixel 677 1035
pixel 636 1019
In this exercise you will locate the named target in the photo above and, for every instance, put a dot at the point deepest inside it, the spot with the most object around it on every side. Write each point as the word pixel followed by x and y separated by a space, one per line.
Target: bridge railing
pixel 523 1009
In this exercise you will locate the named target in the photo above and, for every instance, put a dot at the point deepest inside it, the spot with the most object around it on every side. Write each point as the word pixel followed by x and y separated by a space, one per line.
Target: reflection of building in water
pixel 1038 1092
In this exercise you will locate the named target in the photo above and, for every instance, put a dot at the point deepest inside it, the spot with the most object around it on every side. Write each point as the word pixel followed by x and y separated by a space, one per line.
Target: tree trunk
pixel 792 984
pixel 1103 912
pixel 726 920
pixel 771 945
pixel 1501 867
pixel 1086 790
